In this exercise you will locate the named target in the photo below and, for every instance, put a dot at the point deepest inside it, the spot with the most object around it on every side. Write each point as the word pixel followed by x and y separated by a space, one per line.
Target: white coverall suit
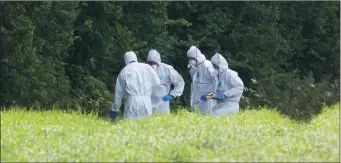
pixel 204 81
pixel 229 85
pixel 135 81
pixel 168 75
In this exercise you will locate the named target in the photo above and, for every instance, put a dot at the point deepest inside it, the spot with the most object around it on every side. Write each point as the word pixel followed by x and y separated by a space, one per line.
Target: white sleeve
pixel 119 93
pixel 211 70
pixel 178 82
pixel 192 71
pixel 237 86
pixel 213 75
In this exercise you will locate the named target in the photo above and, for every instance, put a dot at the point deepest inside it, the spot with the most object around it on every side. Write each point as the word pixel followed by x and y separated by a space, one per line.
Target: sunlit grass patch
pixel 252 135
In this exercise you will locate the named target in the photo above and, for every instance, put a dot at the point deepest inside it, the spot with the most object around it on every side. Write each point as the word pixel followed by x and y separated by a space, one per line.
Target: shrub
pixel 299 99
pixel 94 96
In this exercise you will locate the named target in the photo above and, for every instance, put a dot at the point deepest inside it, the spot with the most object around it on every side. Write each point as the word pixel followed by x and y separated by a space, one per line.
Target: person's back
pixel 135 81
pixel 138 80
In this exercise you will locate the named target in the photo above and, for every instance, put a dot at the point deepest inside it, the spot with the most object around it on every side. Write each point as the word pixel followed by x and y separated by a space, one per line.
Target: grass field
pixel 253 135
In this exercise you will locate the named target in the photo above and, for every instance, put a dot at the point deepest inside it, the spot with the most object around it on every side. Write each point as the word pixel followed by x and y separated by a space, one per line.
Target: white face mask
pixel 192 62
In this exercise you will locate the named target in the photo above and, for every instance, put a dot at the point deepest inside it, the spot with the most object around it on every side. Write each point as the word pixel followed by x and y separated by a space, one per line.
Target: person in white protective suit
pixel 162 93
pixel 229 90
pixel 204 81
pixel 135 81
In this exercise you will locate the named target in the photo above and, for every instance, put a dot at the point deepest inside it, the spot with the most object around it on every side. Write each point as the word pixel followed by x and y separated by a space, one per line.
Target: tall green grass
pixel 252 135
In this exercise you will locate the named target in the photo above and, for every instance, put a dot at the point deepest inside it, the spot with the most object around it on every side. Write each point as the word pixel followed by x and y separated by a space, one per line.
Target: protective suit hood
pixel 194 52
pixel 220 61
pixel 154 56
pixel 130 57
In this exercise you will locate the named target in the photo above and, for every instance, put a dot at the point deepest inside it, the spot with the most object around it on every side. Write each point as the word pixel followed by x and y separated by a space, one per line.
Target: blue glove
pixel 168 98
pixel 113 115
pixel 221 95
pixel 203 98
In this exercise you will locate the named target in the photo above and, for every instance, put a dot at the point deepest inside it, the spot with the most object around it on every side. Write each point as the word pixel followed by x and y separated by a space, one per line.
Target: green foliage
pixel 38 35
pixel 261 135
pixel 94 96
pixel 52 51
pixel 299 99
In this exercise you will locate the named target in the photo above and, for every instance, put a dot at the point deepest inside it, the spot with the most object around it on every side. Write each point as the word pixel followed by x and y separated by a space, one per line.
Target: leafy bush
pixel 94 96
pixel 299 99
pixel 55 53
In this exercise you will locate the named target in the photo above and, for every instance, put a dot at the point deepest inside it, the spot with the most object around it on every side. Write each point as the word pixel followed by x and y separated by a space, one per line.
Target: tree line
pixel 65 54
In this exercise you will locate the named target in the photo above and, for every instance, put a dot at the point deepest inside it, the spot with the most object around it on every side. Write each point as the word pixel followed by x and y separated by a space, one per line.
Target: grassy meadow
pixel 252 135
